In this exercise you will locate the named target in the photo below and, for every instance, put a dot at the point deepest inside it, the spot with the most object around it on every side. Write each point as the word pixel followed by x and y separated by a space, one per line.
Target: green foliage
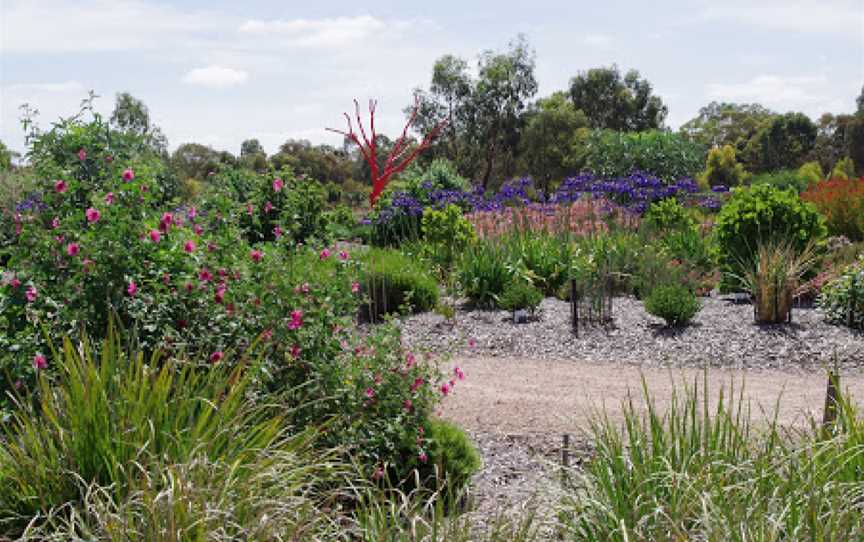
pixel 774 277
pixel 844 169
pixel 785 143
pixel 484 272
pixel 395 282
pixel 719 124
pixel 541 259
pixel 520 295
pixel 784 179
pixel 448 231
pixel 668 214
pixel 842 300
pixel 340 222
pixel 722 169
pixel 5 157
pixel 811 172
pixel 666 155
pixel 452 459
pixel 711 473
pixel 759 215
pixel 674 303
pixel 615 103
pixel 322 163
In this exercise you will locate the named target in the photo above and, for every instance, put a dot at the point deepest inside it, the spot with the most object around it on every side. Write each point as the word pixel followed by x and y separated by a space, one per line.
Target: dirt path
pixel 508 396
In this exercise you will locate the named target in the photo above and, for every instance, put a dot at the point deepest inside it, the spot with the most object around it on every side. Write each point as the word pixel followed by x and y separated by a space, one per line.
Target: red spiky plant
pixel 400 156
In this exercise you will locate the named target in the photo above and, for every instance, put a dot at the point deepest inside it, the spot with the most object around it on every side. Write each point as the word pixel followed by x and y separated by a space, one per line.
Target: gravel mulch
pixel 722 335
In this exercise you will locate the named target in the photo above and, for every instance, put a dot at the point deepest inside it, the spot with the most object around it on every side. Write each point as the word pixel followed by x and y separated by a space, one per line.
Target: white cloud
pixel 823 16
pixel 810 94
pixel 335 32
pixel 215 76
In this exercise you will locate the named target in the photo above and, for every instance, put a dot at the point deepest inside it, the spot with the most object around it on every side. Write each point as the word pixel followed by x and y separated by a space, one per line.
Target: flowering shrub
pixel 842 204
pixel 842 299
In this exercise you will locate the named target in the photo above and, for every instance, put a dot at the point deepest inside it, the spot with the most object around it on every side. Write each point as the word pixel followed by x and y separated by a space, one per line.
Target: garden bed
pixel 722 335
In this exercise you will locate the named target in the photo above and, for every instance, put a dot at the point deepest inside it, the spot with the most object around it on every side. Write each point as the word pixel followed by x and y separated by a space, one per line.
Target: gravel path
pixel 722 335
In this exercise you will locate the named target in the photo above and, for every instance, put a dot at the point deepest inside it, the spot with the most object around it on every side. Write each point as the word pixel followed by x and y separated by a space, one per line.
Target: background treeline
pixel 607 122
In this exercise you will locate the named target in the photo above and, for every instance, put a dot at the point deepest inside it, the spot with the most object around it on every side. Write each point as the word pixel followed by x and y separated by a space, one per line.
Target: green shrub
pixel 484 272
pixel 842 299
pixel 668 214
pixel 760 215
pixel 452 459
pixel 540 258
pixel 448 231
pixel 784 179
pixel 811 173
pixel 396 282
pixel 340 221
pixel 675 304
pixel 669 156
pixel 519 295
pixel 722 169
pixel 843 169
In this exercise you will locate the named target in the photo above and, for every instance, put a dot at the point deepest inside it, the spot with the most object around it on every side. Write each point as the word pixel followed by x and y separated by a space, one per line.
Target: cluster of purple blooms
pixel 32 203
pixel 633 193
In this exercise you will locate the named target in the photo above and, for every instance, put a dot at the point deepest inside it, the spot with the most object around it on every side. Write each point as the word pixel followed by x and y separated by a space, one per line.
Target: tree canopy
pixel 613 102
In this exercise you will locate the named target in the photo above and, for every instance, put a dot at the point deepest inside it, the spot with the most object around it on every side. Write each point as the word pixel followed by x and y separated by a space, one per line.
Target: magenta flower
pixel 343 256
pixel 249 209
pixel 128 174
pixel 370 393
pixel 407 405
pixel 459 373
pixel 418 382
pixel 295 351
pixel 73 249
pixel 55 223
pixel 296 320
pixel 216 356
pixel 60 186
pixel 277 232
pixel 15 283
pixel 205 276
pixel 198 229
pixel 192 213
pixel 155 236
pixel 189 246
pixel 82 154
pixel 40 362
pixel 409 360
pixel 132 288
pixel 472 343
pixel 219 296
pixel 445 388
pixel 189 287
pixel 277 184
pixel 302 288
pixel 325 254
pixel 167 219
pixel 355 287
pixel 31 294
pixel 256 255
pixel 268 207
pixel 109 198
pixel 93 215
pixel 423 457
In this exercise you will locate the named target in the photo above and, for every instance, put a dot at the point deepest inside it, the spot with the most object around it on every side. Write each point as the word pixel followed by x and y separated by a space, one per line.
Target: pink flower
pixel 55 223
pixel 39 361
pixel 302 288
pixel 192 213
pixel 472 343
pixel 370 393
pixel 82 154
pixel 459 373
pixel 205 276
pixel 15 283
pixel 445 388
pixel 378 474
pixel 60 186
pixel 277 232
pixel 155 236
pixel 343 256
pixel 249 209
pixel 296 320
pixel 189 287
pixel 409 360
pixel 325 254
pixel 132 289
pixel 73 249
pixel 418 382
pixel 167 219
pixel 256 255
pixel 277 184
pixel 407 405
pixel 189 246
pixel 216 356
pixel 423 457
pixel 355 287
pixel 219 296
pixel 109 198
pixel 198 229
pixel 268 207
pixel 93 215
pixel 295 351
pixel 128 174
pixel 31 294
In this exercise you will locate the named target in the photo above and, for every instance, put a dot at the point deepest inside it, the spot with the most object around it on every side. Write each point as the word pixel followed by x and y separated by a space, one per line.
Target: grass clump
pixel 395 282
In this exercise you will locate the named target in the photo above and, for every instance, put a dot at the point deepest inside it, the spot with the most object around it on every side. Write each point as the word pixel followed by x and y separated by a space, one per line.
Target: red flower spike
pixel 399 157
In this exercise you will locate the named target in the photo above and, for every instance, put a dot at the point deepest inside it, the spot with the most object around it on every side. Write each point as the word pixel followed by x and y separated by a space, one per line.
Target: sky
pixel 218 72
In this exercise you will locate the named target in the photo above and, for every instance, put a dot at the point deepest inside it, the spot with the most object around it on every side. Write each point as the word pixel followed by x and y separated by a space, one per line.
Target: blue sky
pixel 220 72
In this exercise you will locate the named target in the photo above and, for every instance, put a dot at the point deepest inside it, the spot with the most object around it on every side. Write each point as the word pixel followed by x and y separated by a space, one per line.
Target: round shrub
pixel 675 304
pixel 842 299
pixel 452 459
pixel 759 215
pixel 520 294
pixel 395 282
pixel 668 214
